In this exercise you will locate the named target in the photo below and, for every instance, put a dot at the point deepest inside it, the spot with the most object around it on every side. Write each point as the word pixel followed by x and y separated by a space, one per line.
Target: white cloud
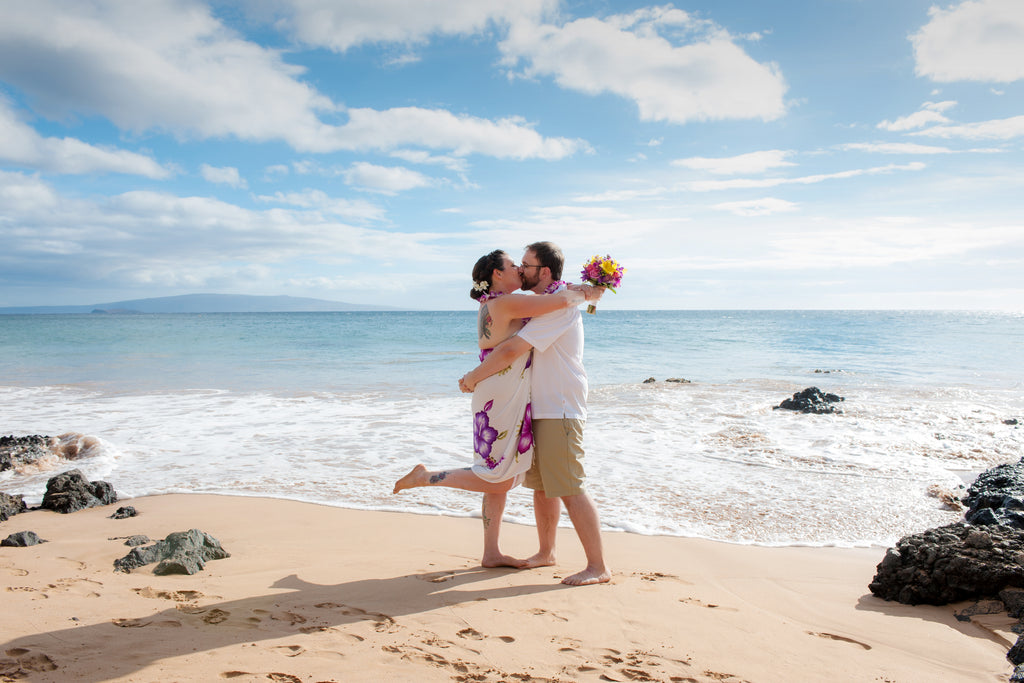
pixel 339 26
pixel 708 77
pixel 21 145
pixel 225 175
pixel 972 41
pixel 161 239
pixel 753 162
pixel 930 112
pixel 319 200
pixel 507 138
pixel 385 179
pixel 757 207
pixel 894 148
pixel 164 65
pixel 416 156
pixel 738 183
pixel 997 129
pixel 881 242
pixel 169 65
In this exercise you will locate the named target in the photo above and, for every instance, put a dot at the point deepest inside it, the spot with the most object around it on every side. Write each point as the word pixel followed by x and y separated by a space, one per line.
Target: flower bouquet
pixel 602 272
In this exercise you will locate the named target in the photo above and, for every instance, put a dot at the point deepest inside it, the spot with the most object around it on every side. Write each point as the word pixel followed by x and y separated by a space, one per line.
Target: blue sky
pixel 742 154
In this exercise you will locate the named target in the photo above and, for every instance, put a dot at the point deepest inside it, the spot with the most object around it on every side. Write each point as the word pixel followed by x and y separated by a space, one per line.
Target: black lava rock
pixel 10 506
pixel 997 496
pixel 951 563
pixel 22 539
pixel 811 400
pixel 70 492
pixel 125 513
pixel 17 450
pixel 183 552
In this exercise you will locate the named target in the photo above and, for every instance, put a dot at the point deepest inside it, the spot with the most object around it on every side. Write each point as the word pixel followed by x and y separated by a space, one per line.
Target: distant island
pixel 204 303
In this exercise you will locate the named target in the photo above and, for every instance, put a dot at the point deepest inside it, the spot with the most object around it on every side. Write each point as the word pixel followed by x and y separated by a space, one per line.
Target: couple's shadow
pixel 103 650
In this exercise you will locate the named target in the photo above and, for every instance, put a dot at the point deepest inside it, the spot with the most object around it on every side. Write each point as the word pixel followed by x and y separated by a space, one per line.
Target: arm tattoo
pixel 483 323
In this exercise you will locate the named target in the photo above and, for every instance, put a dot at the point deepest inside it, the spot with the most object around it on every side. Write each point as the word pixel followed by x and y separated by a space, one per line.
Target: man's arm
pixel 498 359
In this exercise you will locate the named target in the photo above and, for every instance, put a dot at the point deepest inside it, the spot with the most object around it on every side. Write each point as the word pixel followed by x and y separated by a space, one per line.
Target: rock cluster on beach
pixel 71 491
pixel 811 400
pixel 22 539
pixel 10 506
pixel 183 552
pixel 978 558
pixel 22 450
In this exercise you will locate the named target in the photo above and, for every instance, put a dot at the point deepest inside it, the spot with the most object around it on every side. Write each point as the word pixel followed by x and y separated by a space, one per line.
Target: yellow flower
pixel 608 267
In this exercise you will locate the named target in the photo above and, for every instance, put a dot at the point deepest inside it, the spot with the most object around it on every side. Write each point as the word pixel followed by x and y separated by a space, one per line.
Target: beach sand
pixel 315 593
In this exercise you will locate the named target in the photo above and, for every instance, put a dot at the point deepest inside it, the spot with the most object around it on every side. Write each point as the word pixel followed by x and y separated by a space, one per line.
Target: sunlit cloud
pixel 757 207
pixel 21 145
pixel 998 129
pixel 340 26
pixel 384 179
pixel 225 175
pixel 930 113
pixel 752 162
pixel 980 40
pixel 318 200
pixel 675 67
pixel 738 183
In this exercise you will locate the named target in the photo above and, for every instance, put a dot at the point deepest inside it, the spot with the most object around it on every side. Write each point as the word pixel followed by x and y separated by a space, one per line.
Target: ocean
pixel 331 408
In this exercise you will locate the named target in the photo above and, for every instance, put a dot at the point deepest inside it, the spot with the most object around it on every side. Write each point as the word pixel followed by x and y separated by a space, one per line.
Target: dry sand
pixel 314 593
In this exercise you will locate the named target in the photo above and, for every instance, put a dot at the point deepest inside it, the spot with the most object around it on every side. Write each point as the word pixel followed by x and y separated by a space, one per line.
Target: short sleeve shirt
pixel 559 381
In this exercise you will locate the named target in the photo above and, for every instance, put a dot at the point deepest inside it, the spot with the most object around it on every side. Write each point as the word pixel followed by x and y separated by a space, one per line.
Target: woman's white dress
pixel 502 422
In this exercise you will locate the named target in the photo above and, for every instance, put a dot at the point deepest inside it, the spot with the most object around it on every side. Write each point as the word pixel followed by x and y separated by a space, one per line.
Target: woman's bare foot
pixel 539 560
pixel 501 560
pixel 417 477
pixel 588 577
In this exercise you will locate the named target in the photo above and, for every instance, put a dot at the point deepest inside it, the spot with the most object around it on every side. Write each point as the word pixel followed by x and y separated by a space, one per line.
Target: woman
pixel 502 437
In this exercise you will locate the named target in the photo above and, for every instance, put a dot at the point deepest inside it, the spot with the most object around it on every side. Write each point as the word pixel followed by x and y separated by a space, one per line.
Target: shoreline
pixel 319 593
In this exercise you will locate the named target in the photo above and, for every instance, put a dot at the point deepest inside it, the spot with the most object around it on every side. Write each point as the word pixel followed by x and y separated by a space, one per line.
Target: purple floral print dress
pixel 502 422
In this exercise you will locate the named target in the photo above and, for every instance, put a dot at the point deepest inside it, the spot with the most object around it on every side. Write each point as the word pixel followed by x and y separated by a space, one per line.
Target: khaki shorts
pixel 557 467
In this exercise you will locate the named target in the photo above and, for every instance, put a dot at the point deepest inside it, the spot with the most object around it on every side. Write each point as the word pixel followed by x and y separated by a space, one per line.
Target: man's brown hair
pixel 549 256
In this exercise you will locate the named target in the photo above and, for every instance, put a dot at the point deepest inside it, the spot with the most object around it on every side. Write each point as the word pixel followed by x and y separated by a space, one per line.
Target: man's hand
pixel 592 293
pixel 465 388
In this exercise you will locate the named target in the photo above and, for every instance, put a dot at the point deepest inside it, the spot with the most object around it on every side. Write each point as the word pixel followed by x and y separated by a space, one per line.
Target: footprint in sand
pixel 215 616
pixel 291 617
pixel 833 636
pixel 176 596
pixel 538 611
pixel 14 571
pixel 290 650
pixel 382 622
pixel 436 577
pixel 473 634
pixel 77 564
pixel 23 663
pixel 284 678
pixel 709 605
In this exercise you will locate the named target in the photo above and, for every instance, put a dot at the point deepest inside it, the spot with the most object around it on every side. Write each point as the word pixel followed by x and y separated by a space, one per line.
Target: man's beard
pixel 530 282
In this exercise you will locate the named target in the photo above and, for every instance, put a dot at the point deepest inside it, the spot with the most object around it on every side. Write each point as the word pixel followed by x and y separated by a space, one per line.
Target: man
pixel 559 412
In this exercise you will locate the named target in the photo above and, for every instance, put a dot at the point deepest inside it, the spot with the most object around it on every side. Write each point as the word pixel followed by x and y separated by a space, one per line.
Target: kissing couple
pixel 529 406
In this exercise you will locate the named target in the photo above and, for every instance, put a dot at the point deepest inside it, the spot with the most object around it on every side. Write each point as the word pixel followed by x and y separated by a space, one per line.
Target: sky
pixel 797 154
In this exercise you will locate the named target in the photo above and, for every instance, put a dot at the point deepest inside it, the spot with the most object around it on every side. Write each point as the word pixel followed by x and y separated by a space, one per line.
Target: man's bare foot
pixel 500 560
pixel 588 577
pixel 417 477
pixel 539 560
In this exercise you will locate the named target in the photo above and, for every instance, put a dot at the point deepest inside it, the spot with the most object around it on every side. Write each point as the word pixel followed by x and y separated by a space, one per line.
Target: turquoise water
pixel 333 407
pixel 428 350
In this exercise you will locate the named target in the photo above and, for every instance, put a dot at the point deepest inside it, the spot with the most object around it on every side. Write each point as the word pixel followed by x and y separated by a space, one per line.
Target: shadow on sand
pixel 297 606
